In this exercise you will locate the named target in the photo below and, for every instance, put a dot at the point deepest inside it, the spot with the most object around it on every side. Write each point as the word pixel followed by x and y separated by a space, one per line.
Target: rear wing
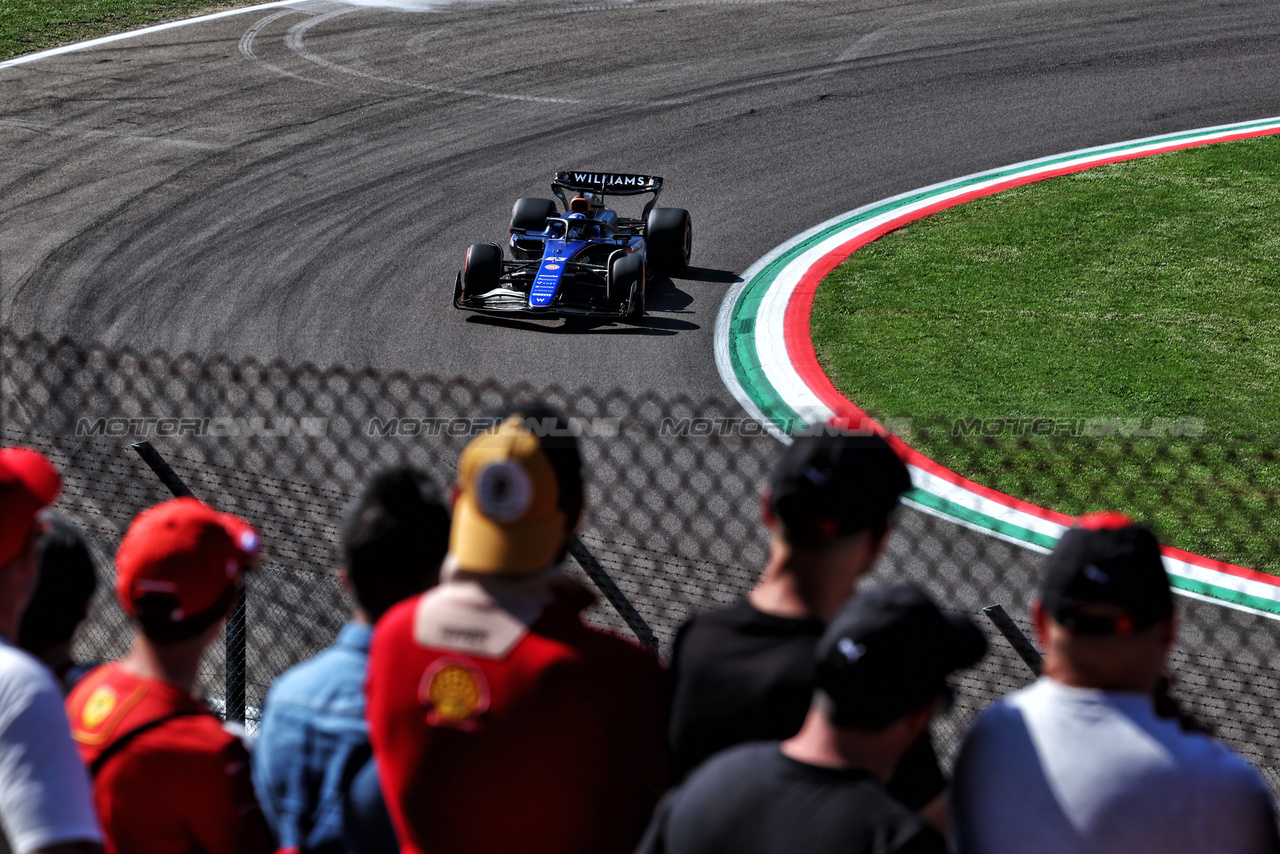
pixel 608 183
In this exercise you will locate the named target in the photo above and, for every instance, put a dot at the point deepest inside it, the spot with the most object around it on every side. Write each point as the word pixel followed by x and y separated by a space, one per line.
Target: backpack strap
pixel 122 742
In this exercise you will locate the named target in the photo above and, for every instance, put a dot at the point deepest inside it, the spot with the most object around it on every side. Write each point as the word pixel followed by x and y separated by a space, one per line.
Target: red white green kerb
pixel 766 358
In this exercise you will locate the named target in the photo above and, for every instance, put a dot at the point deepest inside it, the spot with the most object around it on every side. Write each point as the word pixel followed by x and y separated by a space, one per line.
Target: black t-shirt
pixel 740 675
pixel 754 799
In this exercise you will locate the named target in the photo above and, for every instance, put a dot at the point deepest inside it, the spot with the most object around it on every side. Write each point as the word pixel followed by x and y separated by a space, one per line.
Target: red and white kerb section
pixel 766 358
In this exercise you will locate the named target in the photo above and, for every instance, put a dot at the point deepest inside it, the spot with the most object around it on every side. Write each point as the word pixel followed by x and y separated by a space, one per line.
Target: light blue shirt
pixel 1057 769
pixel 312 742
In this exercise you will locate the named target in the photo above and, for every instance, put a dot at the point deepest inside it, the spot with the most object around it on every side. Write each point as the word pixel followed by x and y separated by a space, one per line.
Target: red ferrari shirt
pixel 500 723
pixel 182 786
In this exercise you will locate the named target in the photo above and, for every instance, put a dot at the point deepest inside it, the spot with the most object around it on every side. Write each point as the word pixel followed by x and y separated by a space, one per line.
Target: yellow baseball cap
pixel 511 513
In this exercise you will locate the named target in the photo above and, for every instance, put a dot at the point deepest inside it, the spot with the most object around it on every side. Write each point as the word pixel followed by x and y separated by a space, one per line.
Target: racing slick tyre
pixel 481 269
pixel 669 232
pixel 530 213
pixel 626 284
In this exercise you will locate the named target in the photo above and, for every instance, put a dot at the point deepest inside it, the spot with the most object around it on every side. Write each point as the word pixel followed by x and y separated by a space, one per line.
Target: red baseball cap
pixel 179 566
pixel 28 484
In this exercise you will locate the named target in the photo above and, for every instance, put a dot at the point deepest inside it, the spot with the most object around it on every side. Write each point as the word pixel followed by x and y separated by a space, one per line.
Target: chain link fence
pixel 672 524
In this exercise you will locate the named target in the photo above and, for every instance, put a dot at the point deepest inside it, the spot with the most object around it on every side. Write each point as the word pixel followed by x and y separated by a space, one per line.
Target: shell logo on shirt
pixel 454 693
pixel 101 703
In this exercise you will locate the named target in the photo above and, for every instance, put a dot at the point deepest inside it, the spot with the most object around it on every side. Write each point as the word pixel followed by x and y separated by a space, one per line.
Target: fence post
pixel 235 639
pixel 616 597
pixel 1021 645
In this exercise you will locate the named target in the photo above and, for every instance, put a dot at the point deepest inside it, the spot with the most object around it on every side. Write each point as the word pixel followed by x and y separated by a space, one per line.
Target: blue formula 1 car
pixel 584 261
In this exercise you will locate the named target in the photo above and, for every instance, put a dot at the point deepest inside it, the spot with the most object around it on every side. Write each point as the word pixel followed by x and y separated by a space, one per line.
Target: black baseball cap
pixel 889 651
pixel 836 484
pixel 1106 559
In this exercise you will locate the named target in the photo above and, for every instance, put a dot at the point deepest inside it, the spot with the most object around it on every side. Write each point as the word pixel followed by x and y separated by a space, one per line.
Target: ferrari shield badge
pixel 95 721
pixel 454 694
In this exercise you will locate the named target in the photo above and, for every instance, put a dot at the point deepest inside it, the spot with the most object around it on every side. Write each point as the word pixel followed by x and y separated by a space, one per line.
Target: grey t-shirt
pixel 1062 770
pixel 754 799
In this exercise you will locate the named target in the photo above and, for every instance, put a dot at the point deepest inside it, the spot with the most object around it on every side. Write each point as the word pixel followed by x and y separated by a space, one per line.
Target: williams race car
pixel 584 261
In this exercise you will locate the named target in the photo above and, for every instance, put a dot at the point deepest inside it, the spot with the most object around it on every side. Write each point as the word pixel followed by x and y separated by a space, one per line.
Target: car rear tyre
pixel 669 232
pixel 532 213
pixel 481 270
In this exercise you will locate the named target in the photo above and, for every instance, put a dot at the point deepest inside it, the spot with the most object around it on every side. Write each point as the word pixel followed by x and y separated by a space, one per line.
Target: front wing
pixel 584 292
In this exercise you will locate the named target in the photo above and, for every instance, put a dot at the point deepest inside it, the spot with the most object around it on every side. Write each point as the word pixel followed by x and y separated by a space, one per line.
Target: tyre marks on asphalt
pixel 73 130
pixel 248 52
pixel 891 39
pixel 295 42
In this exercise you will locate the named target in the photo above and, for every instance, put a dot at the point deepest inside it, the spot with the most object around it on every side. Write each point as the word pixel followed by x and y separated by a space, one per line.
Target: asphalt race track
pixel 301 182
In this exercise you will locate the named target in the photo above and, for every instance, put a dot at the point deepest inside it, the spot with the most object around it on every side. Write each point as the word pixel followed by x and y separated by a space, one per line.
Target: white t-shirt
pixel 1061 770
pixel 45 796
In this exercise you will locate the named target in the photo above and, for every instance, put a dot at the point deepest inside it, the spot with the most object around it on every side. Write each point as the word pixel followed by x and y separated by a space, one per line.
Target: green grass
pixel 1142 294
pixel 27 26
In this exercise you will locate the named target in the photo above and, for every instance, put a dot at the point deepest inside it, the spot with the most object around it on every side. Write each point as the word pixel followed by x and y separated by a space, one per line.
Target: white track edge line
pixel 155 28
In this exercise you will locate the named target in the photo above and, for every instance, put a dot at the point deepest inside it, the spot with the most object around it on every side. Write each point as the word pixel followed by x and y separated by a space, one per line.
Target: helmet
pixel 577 222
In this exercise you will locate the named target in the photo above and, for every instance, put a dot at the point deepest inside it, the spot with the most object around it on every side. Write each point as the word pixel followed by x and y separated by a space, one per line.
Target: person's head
pixel 886 657
pixel 1105 612
pixel 578 224
pixel 831 499
pixel 180 568
pixel 68 580
pixel 394 537
pixel 519 494
pixel 28 484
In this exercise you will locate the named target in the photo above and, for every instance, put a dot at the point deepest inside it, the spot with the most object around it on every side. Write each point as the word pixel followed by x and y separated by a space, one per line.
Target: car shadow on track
pixel 665 296
pixel 648 325
pixel 706 274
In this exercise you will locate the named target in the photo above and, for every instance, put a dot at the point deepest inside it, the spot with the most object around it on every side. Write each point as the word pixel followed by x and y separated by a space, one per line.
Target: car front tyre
pixel 481 269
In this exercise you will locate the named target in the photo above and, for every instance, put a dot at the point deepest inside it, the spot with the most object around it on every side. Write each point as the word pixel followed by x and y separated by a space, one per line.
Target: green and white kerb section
pixel 766 358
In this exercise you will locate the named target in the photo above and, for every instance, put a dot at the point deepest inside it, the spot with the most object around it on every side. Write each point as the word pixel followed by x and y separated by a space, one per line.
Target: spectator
pixel 167 777
pixel 499 721
pixel 881 667
pixel 68 580
pixel 45 801
pixel 366 826
pixel 313 740
pixel 745 672
pixel 1079 760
